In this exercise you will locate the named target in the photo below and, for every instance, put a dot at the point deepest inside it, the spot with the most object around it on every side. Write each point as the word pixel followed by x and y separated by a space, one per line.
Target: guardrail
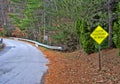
pixel 40 44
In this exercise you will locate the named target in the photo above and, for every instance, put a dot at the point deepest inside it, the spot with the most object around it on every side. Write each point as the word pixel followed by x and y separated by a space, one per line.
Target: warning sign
pixel 99 34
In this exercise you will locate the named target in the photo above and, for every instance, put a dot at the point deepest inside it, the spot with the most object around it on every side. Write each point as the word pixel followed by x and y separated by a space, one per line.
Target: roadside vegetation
pixel 66 23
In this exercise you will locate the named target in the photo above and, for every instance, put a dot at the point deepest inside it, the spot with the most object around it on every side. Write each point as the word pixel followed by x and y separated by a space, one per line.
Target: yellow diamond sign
pixel 99 34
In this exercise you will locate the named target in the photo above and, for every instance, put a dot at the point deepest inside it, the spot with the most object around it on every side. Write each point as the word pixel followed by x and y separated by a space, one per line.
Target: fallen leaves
pixel 79 68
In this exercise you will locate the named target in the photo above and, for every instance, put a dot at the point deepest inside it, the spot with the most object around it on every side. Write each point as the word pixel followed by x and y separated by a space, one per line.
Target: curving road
pixel 21 63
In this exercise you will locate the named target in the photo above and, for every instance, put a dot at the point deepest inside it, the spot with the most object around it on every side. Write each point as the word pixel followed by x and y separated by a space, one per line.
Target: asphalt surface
pixel 21 63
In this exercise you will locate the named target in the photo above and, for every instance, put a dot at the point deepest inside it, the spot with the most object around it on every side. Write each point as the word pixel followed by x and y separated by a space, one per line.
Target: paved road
pixel 21 63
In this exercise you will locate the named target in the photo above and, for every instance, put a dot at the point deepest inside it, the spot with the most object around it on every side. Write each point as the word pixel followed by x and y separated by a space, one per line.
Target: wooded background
pixel 67 23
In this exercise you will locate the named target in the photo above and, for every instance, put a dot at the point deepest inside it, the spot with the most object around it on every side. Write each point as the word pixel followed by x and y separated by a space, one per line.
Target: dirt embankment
pixel 80 68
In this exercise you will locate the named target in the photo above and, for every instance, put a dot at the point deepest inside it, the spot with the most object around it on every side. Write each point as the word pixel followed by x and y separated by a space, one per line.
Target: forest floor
pixel 80 68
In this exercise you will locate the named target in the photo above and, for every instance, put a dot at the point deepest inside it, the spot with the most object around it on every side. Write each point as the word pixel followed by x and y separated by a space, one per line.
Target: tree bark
pixel 110 23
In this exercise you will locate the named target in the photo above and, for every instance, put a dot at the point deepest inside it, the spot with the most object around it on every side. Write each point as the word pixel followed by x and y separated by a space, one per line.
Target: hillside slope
pixel 80 68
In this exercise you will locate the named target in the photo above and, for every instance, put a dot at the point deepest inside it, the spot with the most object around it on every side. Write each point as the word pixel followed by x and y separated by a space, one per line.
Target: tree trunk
pixel 110 23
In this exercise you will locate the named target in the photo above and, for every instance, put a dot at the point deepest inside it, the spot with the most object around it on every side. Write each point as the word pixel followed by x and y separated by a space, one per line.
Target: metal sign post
pixel 99 34
pixel 100 63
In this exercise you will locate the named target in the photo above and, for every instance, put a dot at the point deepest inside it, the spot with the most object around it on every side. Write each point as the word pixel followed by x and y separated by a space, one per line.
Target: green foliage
pixel 84 36
pixel 87 15
pixel 38 15
pixel 2 33
pixel 15 18
pixel 15 0
pixel 116 29
pixel 116 36
pixel 30 6
pixel 66 37
pixel 27 16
